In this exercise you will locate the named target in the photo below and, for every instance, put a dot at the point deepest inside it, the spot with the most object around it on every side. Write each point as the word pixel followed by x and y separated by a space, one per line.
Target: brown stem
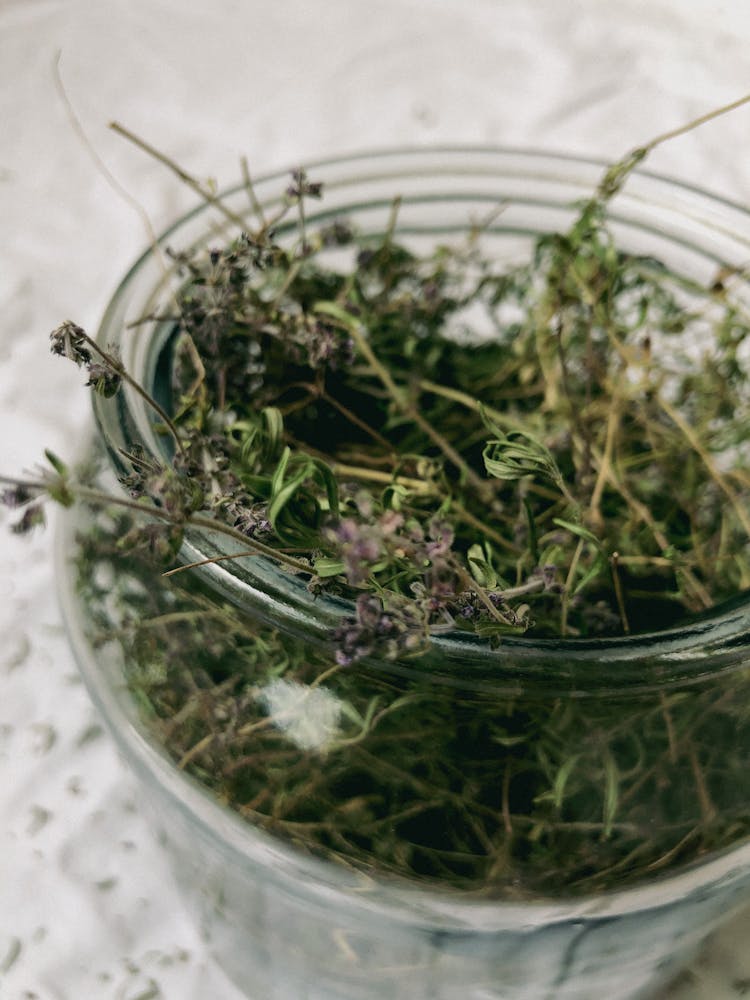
pixel 695 443
pixel 118 367
pixel 195 185
pixel 193 520
pixel 399 398
pixel 614 562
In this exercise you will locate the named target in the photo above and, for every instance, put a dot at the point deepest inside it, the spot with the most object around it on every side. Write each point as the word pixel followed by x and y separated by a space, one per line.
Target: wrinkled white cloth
pixel 87 905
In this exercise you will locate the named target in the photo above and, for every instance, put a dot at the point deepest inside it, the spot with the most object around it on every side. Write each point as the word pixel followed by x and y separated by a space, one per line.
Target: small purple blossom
pixel 17 496
pixel 375 631
pixel 359 546
pixel 441 535
pixel 316 342
pixel 390 522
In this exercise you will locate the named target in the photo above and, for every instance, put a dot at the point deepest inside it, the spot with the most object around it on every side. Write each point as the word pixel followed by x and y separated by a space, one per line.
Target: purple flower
pixel 359 545
pixel 441 535
pixel 379 632
pixel 17 496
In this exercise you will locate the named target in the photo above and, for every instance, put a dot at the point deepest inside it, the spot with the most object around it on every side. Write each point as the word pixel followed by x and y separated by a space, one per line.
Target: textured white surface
pixel 87 906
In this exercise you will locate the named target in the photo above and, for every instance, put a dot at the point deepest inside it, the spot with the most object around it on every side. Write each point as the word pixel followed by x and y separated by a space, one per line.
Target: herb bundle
pixel 578 470
pixel 556 449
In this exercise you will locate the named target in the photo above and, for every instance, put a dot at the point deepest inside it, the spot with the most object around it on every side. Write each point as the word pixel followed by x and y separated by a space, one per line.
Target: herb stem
pixel 398 396
pixel 605 465
pixel 252 196
pixel 470 402
pixel 695 443
pixel 118 367
pixel 357 421
pixel 474 522
pixel 642 512
pixel 193 183
pixel 191 520
pixel 695 123
pixel 360 473
pixel 614 561
pixel 569 580
pixel 708 809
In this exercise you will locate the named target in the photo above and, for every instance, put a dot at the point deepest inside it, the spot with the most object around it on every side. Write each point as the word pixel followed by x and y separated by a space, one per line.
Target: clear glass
pixel 286 923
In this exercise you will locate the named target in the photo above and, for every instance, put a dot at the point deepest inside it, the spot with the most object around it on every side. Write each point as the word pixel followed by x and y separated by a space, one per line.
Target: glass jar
pixel 421 888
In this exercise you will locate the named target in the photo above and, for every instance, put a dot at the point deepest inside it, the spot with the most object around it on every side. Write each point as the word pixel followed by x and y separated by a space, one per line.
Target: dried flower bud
pixel 103 379
pixel 71 341
pixel 251 519
pixel 32 517
pixel 301 187
pixel 441 534
pixel 156 540
pixel 338 234
pixel 17 496
pixel 399 630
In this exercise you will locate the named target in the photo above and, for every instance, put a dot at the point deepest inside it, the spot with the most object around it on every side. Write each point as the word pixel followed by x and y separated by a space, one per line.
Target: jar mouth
pixel 539 190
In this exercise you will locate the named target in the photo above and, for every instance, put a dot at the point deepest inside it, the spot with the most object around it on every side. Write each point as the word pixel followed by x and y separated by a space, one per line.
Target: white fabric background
pixel 87 906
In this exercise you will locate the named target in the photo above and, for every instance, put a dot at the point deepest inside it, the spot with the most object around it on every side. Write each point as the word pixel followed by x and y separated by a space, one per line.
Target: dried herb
pixel 555 449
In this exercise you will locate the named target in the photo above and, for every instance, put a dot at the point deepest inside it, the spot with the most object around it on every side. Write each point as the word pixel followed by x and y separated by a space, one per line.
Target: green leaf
pixel 480 563
pixel 280 500
pixel 325 476
pixel 274 423
pixel 600 564
pixel 259 486
pixel 394 496
pixel 295 509
pixel 261 437
pixel 517 454
pixel 336 312
pixel 561 780
pixel 57 463
pixel 509 741
pixel 579 530
pixel 327 566
pixel 59 489
pixel 611 793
